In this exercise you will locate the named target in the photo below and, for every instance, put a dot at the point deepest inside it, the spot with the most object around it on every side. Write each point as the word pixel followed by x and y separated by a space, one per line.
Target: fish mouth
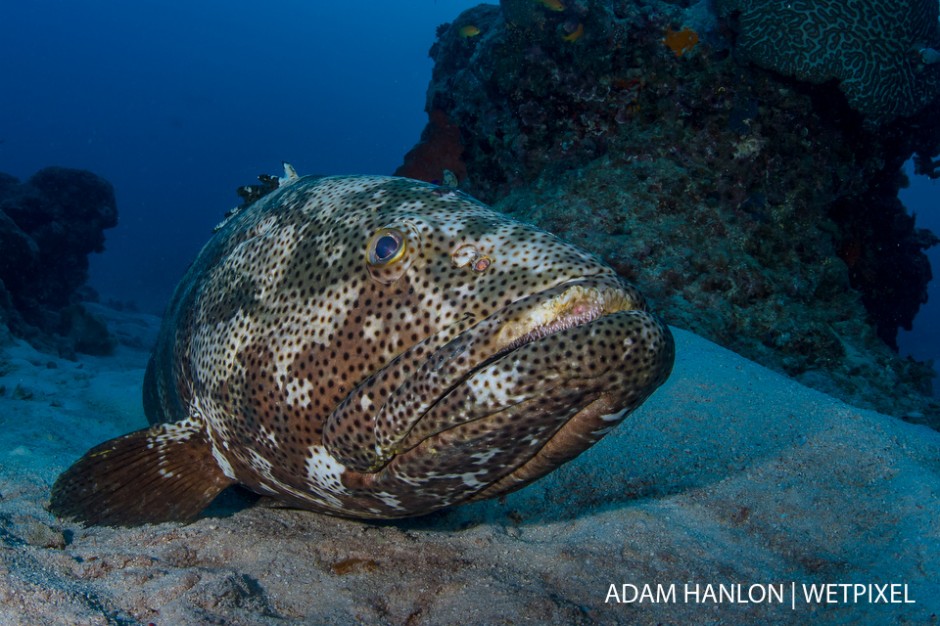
pixel 449 390
pixel 571 304
pixel 492 392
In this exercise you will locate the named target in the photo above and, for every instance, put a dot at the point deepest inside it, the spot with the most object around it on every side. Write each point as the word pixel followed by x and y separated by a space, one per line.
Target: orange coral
pixel 680 41
pixel 440 149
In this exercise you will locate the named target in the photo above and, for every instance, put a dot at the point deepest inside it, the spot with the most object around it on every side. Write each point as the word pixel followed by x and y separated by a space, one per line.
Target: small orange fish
pixel 552 5
pixel 575 34
pixel 470 30
pixel 680 41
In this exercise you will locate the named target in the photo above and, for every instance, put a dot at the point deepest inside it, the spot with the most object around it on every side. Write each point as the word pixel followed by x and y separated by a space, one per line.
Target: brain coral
pixel 878 50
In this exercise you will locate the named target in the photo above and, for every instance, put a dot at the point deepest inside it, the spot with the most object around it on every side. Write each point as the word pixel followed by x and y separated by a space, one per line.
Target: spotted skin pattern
pixel 379 347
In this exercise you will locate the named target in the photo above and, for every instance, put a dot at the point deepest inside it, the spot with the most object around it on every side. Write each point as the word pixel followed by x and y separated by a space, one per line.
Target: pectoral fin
pixel 160 474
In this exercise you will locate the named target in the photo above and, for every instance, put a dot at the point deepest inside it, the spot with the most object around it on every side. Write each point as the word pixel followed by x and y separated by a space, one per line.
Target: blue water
pixel 178 103
pixel 922 199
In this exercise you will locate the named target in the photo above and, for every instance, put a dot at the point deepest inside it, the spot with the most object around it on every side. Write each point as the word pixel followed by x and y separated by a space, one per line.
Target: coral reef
pixel 879 52
pixel 755 209
pixel 48 226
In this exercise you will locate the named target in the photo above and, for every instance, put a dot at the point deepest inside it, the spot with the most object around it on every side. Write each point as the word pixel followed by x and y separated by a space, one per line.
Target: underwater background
pixel 650 132
pixel 177 104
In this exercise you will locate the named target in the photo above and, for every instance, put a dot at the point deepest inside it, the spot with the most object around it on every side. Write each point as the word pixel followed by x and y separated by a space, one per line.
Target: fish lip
pixel 567 305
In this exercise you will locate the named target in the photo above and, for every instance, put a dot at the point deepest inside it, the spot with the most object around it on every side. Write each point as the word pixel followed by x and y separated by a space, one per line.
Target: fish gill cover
pixel 758 209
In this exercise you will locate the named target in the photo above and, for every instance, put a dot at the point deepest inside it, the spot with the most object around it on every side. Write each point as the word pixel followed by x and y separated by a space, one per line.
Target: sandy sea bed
pixel 730 479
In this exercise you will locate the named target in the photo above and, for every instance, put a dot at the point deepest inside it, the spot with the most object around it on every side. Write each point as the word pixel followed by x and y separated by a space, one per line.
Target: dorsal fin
pixel 160 474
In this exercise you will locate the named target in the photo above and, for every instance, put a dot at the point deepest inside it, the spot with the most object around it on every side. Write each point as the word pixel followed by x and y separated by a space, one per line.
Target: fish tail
pixel 160 474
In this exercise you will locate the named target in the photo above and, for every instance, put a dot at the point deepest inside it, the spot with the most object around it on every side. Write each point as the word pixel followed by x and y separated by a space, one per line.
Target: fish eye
pixel 387 246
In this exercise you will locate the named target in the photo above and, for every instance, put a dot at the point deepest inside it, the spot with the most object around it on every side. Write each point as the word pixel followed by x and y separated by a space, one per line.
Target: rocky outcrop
pixel 756 208
pixel 48 227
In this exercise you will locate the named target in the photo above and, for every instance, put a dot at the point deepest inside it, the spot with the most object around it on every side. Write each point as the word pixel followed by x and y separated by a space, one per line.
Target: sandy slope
pixel 730 474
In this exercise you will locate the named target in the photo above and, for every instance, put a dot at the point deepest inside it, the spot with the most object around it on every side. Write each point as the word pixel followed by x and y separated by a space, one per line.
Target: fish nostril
pixel 481 264
pixel 469 255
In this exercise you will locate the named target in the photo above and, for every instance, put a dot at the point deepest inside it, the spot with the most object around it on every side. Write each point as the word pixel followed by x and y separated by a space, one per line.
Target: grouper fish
pixel 373 347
